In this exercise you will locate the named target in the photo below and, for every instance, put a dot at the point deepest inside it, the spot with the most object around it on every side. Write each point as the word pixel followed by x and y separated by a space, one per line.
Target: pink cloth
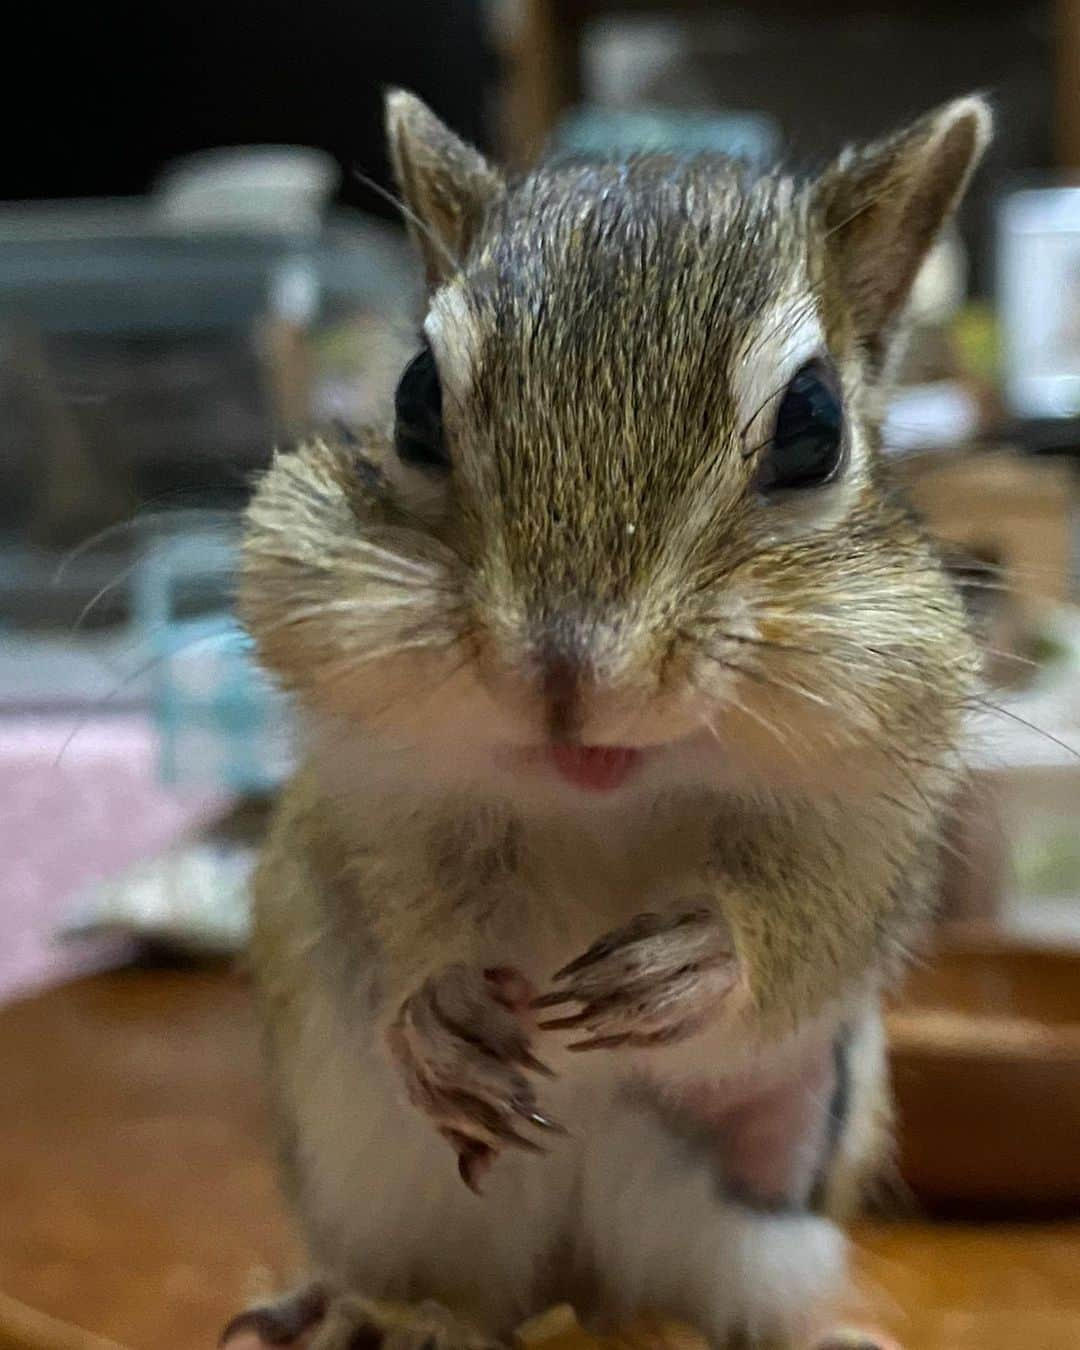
pixel 79 801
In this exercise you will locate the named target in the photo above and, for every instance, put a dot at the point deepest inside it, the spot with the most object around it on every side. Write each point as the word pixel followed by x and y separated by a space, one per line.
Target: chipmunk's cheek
pixel 421 697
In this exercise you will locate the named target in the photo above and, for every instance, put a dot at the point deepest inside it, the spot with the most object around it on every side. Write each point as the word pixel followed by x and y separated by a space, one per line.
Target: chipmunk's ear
pixel 445 184
pixel 881 209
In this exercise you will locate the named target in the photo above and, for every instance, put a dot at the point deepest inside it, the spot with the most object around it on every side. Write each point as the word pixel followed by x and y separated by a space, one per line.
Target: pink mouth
pixel 600 768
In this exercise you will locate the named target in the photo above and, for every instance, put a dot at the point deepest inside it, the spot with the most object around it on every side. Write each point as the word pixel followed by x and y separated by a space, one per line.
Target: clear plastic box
pixel 222 722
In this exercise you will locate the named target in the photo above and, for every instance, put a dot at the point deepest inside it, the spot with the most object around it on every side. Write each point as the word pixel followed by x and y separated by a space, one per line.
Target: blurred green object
pixel 1046 860
pixel 978 341
pixel 750 136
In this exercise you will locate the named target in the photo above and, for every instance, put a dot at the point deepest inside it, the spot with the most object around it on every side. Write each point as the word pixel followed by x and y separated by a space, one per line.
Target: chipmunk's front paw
pixel 656 981
pixel 462 1044
pixel 282 1321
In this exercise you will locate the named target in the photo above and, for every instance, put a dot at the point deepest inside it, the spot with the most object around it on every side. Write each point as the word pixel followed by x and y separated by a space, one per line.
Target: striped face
pixel 630 502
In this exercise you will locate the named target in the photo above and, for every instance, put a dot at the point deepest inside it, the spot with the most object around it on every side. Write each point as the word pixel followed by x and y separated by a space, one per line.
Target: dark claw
pixel 508 1136
pixel 595 953
pixel 644 926
pixel 553 999
pixel 664 1036
pixel 567 1023
pixel 529 1061
pixel 600 1043
pixel 471 1167
pixel 473 1162
pixel 544 1122
pixel 490 1119
pixel 281 1322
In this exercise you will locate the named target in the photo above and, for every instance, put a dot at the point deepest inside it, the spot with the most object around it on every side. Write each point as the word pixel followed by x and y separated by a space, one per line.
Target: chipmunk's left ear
pixel 446 185
pixel 881 209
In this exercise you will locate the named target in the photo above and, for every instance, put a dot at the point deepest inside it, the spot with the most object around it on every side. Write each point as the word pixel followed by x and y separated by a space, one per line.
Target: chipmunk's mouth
pixel 595 768
pixel 589 768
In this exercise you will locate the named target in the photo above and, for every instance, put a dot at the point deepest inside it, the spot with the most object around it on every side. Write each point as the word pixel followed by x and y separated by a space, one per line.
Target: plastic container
pixel 266 187
pixel 222 723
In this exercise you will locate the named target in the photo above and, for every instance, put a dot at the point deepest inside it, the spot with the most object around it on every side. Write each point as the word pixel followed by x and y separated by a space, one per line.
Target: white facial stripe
pixel 451 330
pixel 786 336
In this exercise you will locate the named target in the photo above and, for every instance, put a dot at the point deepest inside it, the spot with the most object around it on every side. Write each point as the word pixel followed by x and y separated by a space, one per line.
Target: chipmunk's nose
pixel 565 660
pixel 567 674
pixel 562 681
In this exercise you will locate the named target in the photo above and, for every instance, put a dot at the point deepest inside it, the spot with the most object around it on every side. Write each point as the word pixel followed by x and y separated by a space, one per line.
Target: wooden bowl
pixel 985 1052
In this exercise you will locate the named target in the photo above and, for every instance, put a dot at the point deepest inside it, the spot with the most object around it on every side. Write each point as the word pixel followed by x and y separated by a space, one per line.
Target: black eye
pixel 808 440
pixel 418 430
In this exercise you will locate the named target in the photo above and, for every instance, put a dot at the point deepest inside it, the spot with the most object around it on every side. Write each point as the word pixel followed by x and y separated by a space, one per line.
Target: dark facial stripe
pixel 839 1106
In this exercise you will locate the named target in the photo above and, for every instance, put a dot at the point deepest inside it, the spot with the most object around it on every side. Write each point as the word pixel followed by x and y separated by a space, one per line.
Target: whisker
pixel 408 214
pixel 761 408
pixel 449 674
pixel 789 318
pixel 1010 656
pixel 769 644
pixel 988 706
pixel 137 673
pixel 747 710
pixel 348 665
pixel 358 609
pixel 138 522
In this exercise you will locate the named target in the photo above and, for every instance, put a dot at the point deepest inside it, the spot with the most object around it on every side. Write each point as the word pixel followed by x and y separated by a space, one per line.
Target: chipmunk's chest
pixel 605 869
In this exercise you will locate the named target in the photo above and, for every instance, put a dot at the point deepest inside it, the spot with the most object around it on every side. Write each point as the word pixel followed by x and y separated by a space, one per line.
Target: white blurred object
pixel 1039 300
pixel 193 901
pixel 264 187
pixel 934 416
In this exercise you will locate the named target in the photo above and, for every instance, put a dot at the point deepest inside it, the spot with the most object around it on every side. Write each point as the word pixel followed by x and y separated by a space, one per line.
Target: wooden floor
pixel 137 1198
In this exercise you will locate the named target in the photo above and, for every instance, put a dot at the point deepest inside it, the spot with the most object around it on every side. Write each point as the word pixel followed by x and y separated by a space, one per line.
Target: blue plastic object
pixel 750 136
pixel 222 724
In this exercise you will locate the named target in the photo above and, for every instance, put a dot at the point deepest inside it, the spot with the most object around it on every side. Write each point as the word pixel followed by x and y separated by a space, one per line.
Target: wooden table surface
pixel 137 1195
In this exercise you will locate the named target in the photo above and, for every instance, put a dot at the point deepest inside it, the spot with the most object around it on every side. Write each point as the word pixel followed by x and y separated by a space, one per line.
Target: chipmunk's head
pixel 630 508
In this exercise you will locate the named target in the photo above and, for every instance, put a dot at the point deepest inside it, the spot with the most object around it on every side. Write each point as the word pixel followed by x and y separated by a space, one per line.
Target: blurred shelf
pixel 110 267
pixel 546 76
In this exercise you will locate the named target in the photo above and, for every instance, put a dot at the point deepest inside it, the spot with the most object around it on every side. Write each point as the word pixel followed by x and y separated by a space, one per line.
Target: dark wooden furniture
pixel 546 72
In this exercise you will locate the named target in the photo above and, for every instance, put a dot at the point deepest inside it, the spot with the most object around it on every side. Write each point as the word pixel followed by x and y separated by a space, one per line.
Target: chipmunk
pixel 632 703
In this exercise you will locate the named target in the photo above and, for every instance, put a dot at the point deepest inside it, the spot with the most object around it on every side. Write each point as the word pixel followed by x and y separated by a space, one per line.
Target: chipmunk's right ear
pixel 445 184
pixel 882 207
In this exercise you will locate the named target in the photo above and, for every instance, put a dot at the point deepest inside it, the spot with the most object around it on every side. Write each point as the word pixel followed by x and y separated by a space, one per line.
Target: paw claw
pixel 600 1043
pixel 515 1140
pixel 474 1160
pixel 595 953
pixel 281 1322
pixel 529 1061
pixel 553 999
pixel 567 1023
pixel 463 1048
pixel 655 981
pixel 545 1122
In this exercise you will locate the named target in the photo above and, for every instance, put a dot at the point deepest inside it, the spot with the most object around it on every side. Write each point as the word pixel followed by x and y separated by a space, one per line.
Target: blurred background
pixel 199 260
